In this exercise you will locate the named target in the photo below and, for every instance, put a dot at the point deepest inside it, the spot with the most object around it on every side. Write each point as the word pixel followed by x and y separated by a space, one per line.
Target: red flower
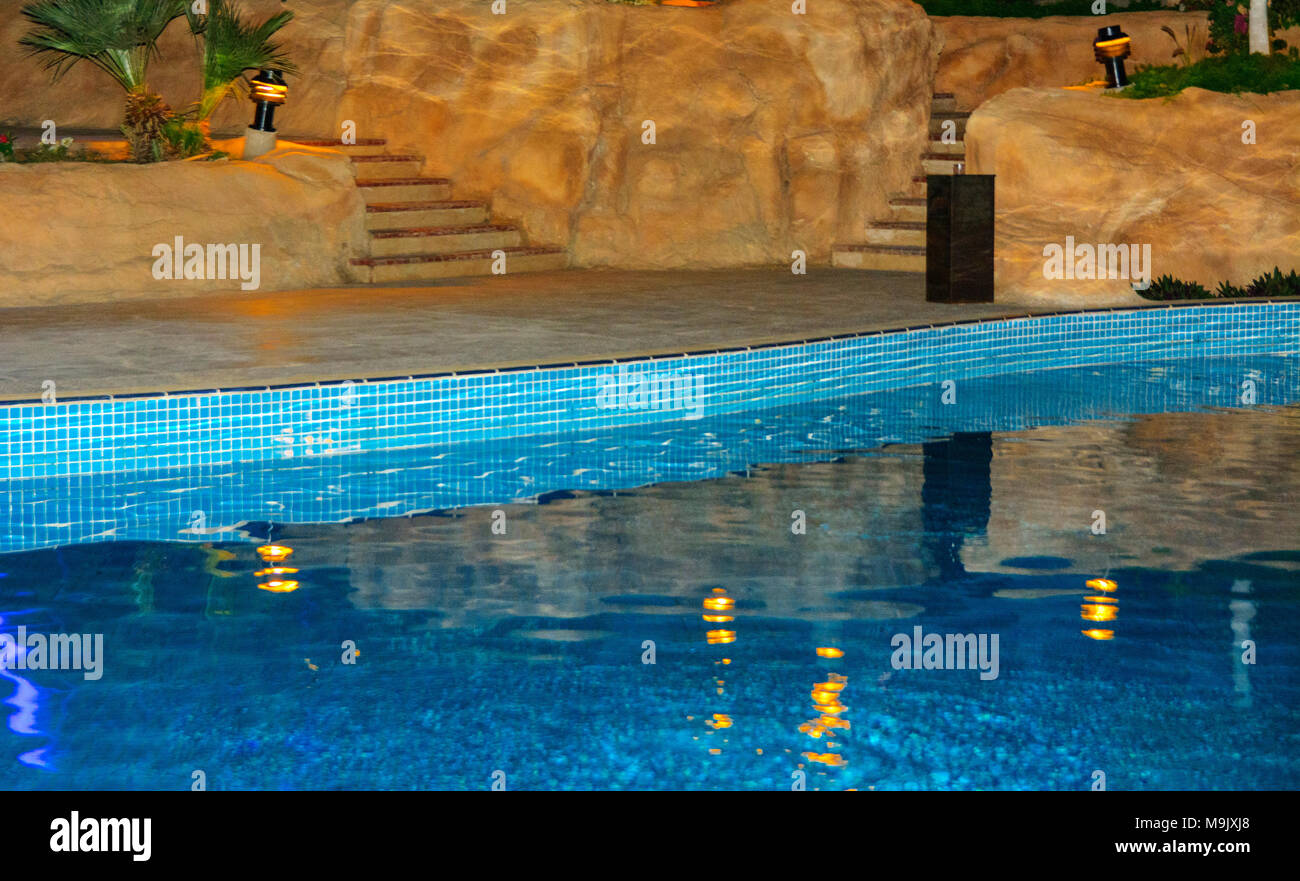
pixel 1240 24
pixel 4 139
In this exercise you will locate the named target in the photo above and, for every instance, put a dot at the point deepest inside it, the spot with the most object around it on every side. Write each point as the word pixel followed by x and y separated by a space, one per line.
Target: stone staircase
pixel 897 243
pixel 418 232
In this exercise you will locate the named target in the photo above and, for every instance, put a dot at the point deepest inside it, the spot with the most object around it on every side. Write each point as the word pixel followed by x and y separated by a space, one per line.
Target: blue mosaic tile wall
pixel 214 503
pixel 202 429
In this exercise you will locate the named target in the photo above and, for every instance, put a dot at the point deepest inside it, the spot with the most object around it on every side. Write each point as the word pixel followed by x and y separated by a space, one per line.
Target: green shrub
pixel 1274 284
pixel 1271 284
pixel 1238 72
pixel 1166 287
pixel 183 138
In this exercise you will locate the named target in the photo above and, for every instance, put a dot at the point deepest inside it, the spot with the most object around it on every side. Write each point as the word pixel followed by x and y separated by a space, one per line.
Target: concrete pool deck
pixel 242 339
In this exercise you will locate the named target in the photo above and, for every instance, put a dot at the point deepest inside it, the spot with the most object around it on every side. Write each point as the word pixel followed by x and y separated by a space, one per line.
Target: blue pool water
pixel 523 652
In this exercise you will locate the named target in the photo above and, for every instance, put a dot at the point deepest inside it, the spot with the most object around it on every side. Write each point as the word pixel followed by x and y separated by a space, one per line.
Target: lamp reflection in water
pixel 830 720
pixel 276 582
pixel 718 611
pixel 1100 609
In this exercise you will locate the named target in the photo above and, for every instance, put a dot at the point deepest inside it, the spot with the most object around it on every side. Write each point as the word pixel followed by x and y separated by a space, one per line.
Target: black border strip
pixel 658 356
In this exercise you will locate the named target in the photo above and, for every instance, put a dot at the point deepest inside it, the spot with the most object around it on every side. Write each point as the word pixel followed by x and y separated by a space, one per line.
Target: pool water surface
pixel 552 612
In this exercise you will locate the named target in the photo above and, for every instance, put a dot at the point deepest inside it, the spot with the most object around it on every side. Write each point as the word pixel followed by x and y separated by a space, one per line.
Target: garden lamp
pixel 1111 48
pixel 268 92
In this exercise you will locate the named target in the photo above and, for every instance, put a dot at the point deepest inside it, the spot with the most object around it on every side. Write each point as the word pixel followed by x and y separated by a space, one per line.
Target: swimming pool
pixel 506 593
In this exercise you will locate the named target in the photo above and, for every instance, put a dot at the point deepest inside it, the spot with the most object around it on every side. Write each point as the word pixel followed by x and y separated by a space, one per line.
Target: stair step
pixel 888 258
pixel 943 102
pixel 406 189
pixel 422 267
pixel 908 208
pixel 940 148
pixel 362 147
pixel 443 240
pixel 938 163
pixel 918 187
pixel 415 215
pixel 938 128
pixel 896 232
pixel 388 166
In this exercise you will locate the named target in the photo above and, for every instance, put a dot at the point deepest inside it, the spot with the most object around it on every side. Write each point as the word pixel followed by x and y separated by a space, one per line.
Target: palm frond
pixel 118 36
pixel 232 45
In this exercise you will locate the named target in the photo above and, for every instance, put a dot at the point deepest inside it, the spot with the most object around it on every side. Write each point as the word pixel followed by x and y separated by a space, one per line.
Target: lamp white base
pixel 257 142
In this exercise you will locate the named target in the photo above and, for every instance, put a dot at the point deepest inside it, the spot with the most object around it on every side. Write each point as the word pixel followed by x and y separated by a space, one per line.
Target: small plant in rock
pixel 1195 44
pixel 183 138
pixel 6 147
pixel 60 152
pixel 1275 284
pixel 1166 287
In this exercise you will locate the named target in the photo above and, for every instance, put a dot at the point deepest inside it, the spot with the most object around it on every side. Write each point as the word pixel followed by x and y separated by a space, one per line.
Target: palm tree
pixel 120 37
pixel 232 46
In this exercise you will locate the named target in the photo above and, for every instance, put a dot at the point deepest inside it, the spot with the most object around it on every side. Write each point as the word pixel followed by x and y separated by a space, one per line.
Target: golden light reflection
pixel 825 697
pixel 1100 609
pixel 274 553
pixel 835 760
pixel 719 602
pixel 1097 612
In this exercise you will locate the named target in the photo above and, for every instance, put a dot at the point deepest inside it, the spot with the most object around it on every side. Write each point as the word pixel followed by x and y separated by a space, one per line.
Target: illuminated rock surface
pixel 1173 174
pixel 772 131
pixel 89 231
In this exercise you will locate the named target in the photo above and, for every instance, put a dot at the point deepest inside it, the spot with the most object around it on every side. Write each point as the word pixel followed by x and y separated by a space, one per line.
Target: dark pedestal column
pixel 959 238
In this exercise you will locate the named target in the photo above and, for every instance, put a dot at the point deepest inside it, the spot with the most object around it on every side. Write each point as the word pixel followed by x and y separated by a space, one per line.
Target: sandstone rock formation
pixel 1174 174
pixel 88 231
pixel 772 131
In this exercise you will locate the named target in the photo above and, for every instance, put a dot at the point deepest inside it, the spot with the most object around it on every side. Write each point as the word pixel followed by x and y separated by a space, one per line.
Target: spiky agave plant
pixel 120 37
pixel 231 46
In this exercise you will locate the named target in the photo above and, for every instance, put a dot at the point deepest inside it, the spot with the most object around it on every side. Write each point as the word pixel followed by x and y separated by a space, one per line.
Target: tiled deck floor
pixel 242 339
